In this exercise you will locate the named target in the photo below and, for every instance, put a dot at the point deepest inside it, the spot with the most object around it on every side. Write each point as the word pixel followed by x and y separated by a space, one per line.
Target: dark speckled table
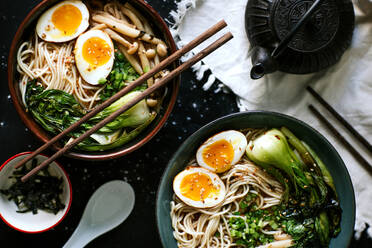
pixel 142 169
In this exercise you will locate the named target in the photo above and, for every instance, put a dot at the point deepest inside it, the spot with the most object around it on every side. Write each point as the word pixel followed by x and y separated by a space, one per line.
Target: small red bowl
pixel 27 27
pixel 28 222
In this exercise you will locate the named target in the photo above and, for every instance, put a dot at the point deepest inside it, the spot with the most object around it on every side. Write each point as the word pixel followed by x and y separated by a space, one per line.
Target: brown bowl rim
pixel 35 128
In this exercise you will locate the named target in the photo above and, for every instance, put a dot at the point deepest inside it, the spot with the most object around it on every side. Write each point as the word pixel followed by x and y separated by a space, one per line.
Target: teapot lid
pixel 315 45
pixel 319 30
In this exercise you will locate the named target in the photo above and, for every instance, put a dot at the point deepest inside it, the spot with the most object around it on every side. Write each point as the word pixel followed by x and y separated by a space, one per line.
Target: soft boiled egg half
pixel 221 151
pixel 94 55
pixel 63 22
pixel 199 187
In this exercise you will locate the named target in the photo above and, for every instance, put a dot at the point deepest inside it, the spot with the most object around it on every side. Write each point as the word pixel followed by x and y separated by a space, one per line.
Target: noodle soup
pixel 59 81
pixel 272 192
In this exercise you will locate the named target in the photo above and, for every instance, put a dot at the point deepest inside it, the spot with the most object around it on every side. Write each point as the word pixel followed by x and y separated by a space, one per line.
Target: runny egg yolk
pixel 67 18
pixel 96 51
pixel 218 155
pixel 197 186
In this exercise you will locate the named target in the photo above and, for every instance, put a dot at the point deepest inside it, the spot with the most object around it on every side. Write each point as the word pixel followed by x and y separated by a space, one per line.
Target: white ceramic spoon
pixel 109 206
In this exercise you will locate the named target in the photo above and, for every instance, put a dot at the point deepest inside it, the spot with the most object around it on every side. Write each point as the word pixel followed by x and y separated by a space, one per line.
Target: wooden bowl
pixel 27 27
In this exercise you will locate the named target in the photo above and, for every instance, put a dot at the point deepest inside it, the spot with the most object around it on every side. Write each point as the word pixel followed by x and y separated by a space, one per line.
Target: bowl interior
pixel 24 32
pixel 28 222
pixel 257 119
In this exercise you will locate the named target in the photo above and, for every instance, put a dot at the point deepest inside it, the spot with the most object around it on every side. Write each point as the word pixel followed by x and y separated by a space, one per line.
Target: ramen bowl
pixel 258 119
pixel 27 28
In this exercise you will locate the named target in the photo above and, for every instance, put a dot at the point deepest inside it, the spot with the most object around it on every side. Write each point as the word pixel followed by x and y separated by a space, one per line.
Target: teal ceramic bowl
pixel 258 119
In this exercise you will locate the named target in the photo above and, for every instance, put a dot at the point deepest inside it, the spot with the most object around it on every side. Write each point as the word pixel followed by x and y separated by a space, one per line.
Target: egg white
pixel 235 138
pixel 92 74
pixel 213 199
pixel 47 31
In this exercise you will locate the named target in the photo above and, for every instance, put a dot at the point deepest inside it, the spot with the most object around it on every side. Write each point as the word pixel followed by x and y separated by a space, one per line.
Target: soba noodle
pixel 53 65
pixel 198 227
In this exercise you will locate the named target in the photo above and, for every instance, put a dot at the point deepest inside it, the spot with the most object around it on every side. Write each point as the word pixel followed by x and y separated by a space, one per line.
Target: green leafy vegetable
pixel 246 227
pixel 272 149
pixel 326 175
pixel 135 116
pixel 302 232
pixel 56 110
pixel 41 192
pixel 309 162
pixel 312 215
pixel 121 75
pixel 323 228
pixel 123 139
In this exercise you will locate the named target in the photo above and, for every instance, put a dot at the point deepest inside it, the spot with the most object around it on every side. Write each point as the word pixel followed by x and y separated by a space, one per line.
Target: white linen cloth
pixel 347 86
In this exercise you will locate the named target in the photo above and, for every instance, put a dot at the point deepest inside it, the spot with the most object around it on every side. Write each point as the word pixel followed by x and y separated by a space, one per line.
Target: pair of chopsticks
pixel 162 82
pixel 346 124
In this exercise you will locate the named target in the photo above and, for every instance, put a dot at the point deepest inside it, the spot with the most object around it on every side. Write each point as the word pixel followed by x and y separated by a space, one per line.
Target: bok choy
pixel 311 215
pixel 55 110
pixel 272 149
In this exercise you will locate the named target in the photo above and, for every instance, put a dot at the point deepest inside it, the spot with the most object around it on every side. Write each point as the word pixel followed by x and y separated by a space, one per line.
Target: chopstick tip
pixel 222 22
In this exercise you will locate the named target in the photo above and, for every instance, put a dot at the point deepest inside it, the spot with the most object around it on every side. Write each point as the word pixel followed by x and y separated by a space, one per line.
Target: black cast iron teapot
pixel 297 36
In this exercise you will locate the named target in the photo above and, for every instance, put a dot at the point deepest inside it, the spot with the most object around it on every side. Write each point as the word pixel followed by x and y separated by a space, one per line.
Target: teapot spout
pixel 262 62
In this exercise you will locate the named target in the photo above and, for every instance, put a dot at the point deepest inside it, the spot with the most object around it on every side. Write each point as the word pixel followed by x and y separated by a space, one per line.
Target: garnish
pixel 41 192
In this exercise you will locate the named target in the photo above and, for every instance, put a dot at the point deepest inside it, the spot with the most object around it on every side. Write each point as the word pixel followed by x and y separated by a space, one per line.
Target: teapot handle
pixel 284 43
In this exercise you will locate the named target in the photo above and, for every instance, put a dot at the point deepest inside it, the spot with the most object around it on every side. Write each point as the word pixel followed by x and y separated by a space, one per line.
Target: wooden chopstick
pixel 162 65
pixel 346 143
pixel 342 120
pixel 162 82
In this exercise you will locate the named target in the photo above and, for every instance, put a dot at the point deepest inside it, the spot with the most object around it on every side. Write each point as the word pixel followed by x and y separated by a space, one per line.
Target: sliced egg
pixel 63 22
pixel 199 187
pixel 221 151
pixel 94 55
